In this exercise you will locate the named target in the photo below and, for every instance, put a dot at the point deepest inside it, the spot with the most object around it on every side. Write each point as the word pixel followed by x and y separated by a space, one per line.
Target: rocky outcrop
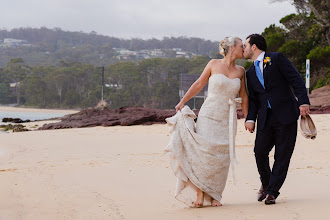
pixel 15 128
pixel 105 117
pixel 14 120
pixel 320 97
pixel 145 116
pixel 320 110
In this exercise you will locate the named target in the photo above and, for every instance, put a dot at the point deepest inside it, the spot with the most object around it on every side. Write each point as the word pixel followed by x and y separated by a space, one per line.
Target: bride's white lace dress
pixel 201 152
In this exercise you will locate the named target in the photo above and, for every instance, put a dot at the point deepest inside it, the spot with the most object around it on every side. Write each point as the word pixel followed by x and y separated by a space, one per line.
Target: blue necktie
pixel 259 73
pixel 260 77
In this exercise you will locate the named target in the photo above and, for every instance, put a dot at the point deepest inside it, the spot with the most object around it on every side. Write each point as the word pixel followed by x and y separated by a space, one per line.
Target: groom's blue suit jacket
pixel 284 89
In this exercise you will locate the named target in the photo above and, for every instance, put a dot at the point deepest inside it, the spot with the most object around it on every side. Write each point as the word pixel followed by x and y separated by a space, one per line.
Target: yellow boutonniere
pixel 268 61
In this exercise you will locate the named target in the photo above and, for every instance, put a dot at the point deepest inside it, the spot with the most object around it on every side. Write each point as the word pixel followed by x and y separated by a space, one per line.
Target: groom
pixel 275 107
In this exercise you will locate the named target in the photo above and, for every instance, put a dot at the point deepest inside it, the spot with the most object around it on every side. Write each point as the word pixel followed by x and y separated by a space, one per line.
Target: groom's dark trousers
pixel 284 139
pixel 277 123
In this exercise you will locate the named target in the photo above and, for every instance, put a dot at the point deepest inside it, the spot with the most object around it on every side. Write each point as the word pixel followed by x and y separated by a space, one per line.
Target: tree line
pixel 50 46
pixel 152 83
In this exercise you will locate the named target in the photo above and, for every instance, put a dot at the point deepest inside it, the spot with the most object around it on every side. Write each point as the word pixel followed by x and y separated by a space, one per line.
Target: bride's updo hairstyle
pixel 226 43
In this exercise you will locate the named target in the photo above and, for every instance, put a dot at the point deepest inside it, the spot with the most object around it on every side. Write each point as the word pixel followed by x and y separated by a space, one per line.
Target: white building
pixel 10 42
pixel 177 49
pixel 182 54
pixel 145 54
pixel 156 53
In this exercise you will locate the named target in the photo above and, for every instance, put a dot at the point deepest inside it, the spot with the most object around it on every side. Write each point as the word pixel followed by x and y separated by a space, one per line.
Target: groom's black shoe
pixel 261 194
pixel 270 199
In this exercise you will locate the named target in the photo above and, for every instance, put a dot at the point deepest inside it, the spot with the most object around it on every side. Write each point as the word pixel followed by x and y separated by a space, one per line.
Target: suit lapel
pixel 255 78
pixel 266 71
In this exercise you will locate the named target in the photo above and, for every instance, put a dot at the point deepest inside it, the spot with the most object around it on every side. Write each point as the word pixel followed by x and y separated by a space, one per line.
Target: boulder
pixel 320 97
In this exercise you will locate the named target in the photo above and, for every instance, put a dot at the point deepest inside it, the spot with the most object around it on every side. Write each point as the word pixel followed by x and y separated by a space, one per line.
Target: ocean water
pixel 30 115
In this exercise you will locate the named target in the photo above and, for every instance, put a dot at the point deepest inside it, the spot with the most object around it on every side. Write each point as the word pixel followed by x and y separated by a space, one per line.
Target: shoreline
pixel 126 116
pixel 34 124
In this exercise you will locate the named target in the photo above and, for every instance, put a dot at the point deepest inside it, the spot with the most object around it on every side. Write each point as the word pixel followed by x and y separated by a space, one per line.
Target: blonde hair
pixel 226 43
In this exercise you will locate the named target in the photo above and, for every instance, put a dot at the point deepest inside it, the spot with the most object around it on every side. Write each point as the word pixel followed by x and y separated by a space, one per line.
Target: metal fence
pixel 186 80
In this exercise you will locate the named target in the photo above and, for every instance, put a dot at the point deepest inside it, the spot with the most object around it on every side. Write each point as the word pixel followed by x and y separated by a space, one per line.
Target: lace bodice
pixel 221 90
pixel 219 84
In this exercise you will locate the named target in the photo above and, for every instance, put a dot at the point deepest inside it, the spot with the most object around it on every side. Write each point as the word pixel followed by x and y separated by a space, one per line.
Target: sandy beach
pixel 123 173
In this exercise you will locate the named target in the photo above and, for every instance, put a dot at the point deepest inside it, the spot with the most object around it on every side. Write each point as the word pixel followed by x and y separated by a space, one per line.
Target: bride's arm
pixel 197 86
pixel 243 94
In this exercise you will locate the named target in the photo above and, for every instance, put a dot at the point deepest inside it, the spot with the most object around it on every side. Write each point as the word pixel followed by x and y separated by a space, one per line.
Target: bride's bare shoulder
pixel 241 71
pixel 215 62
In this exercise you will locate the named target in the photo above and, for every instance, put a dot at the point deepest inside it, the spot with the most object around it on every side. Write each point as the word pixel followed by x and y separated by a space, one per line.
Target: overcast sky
pixel 208 19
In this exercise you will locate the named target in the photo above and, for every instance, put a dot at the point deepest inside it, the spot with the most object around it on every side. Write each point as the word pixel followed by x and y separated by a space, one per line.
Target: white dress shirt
pixel 261 59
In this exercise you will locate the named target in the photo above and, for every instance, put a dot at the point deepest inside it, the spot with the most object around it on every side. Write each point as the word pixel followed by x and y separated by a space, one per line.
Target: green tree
pixel 318 11
pixel 275 37
pixel 295 50
pixel 35 91
pixel 320 60
pixel 57 80
pixel 5 96
pixel 123 79
pixel 197 64
pixel 16 71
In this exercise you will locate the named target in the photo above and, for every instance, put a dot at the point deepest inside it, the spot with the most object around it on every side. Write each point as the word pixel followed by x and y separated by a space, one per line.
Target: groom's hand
pixel 250 126
pixel 304 110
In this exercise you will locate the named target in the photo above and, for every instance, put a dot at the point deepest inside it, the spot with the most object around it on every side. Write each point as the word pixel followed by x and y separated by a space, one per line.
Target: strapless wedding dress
pixel 201 152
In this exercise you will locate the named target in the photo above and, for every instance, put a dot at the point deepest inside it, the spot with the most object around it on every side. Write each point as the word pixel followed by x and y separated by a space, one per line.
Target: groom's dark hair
pixel 258 40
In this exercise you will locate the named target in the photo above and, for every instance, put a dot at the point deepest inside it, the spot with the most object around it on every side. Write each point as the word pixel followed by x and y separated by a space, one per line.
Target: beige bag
pixel 307 126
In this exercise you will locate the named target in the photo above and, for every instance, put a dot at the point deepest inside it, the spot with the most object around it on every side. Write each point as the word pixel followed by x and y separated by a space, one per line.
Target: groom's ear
pixel 254 47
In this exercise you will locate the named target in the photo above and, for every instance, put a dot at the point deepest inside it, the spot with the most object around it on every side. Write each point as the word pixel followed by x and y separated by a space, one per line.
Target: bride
pixel 201 154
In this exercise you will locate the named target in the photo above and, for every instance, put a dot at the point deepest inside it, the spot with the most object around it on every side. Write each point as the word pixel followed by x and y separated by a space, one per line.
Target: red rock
pixel 320 97
pixel 127 116
pixel 124 116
